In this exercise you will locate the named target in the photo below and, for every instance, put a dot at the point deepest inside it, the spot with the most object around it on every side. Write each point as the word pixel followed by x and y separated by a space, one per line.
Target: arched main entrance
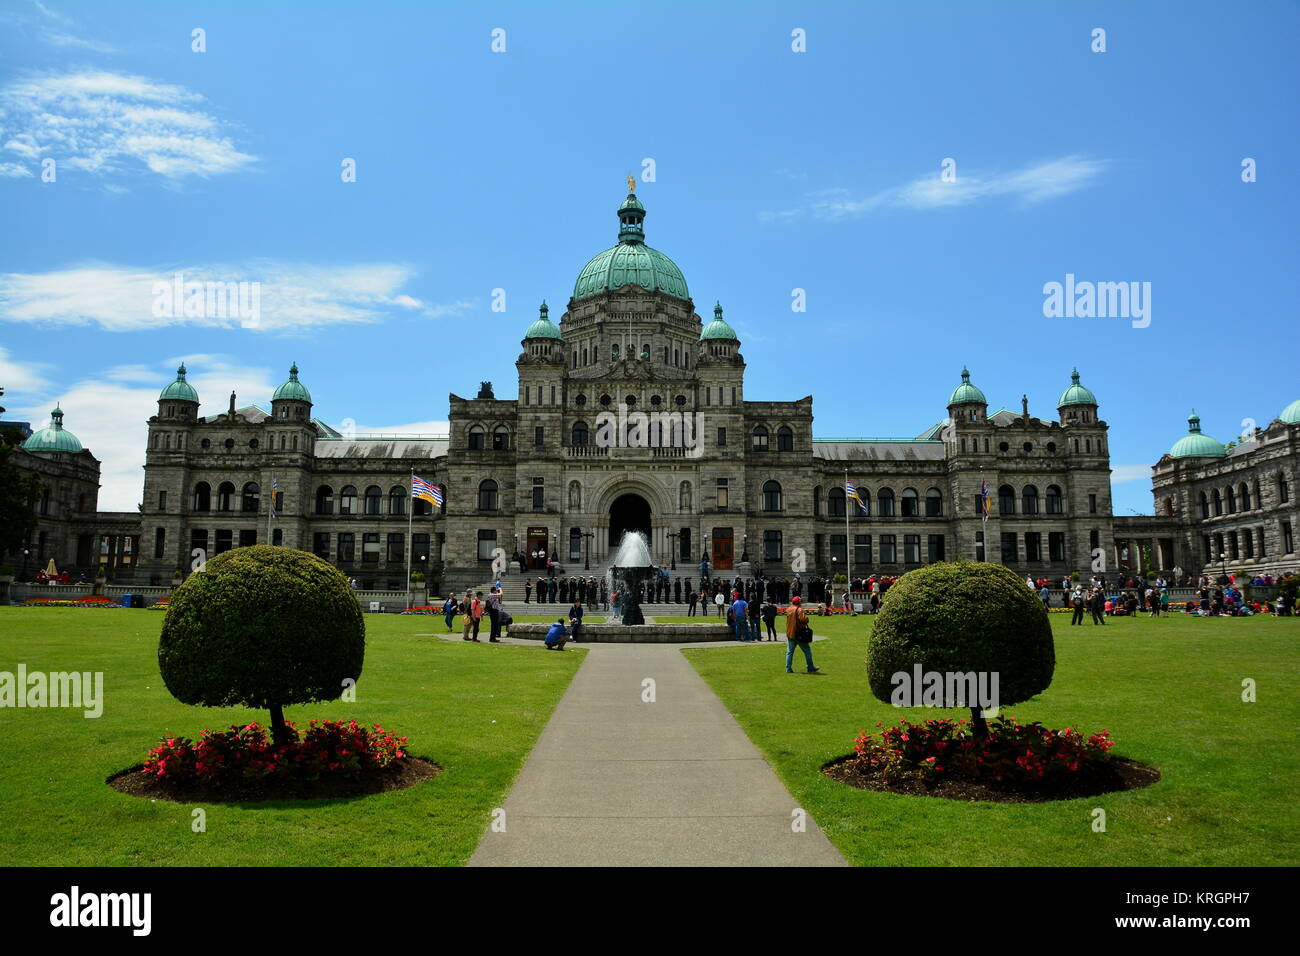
pixel 628 513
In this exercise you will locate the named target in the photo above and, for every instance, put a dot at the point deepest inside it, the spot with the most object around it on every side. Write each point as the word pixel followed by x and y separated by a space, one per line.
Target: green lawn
pixel 474 709
pixel 1169 690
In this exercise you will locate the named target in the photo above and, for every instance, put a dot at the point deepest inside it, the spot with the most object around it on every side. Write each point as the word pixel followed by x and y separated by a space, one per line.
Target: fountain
pixel 627 578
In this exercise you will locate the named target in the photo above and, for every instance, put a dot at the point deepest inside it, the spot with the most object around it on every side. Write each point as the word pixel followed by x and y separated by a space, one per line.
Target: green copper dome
pixel 53 438
pixel 966 392
pixel 1076 394
pixel 543 328
pixel 718 328
pixel 1195 444
pixel 1291 414
pixel 179 390
pixel 293 389
pixel 631 261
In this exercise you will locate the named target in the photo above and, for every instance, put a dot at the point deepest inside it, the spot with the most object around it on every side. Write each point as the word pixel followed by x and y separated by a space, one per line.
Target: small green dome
pixel 1076 394
pixel 631 261
pixel 718 328
pixel 966 392
pixel 1195 444
pixel 179 390
pixel 292 390
pixel 1291 414
pixel 543 328
pixel 53 438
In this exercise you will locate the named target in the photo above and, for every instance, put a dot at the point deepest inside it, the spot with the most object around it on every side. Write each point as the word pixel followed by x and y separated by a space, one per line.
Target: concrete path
pixel 618 781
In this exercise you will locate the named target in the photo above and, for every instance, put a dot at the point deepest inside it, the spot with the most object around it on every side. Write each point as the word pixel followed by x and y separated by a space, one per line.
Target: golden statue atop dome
pixel 631 183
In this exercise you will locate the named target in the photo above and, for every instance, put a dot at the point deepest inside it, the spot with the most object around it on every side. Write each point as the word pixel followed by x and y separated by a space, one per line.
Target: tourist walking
pixel 528 590
pixel 718 602
pixel 769 620
pixel 494 614
pixel 691 600
pixel 1098 604
pixel 470 623
pixel 797 632
pixel 1076 599
pixel 449 609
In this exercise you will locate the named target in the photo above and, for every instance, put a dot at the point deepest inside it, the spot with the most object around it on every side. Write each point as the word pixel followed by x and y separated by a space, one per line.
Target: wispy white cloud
pixel 14 171
pixel 68 40
pixel 1122 473
pixel 21 378
pixel 1046 180
pixel 112 124
pixel 291 296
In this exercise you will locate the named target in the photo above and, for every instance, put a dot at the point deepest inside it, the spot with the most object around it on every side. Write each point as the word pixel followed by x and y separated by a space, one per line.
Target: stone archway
pixel 628 512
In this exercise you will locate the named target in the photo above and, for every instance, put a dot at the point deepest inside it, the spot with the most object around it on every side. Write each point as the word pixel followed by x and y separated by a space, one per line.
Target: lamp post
pixel 26 553
pixel 744 547
pixel 586 550
pixel 1223 565
pixel 672 554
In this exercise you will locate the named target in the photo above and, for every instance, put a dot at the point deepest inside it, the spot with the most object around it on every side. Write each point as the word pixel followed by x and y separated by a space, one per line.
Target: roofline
pixel 386 438
pixel 914 441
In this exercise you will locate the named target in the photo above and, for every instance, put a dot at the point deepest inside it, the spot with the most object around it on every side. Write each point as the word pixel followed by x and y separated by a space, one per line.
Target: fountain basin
pixel 632 633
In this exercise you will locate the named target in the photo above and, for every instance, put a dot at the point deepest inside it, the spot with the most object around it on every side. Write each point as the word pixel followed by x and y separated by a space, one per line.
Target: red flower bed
pixel 329 749
pixel 1013 753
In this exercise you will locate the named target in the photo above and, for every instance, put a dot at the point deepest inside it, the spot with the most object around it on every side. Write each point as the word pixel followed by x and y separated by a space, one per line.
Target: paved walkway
pixel 617 781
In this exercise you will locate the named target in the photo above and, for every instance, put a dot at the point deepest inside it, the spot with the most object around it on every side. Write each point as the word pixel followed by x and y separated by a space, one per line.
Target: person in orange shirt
pixel 797 632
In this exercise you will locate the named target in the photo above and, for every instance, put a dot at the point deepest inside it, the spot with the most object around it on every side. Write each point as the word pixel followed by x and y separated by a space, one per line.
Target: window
pixel 1234 550
pixel 1288 546
pixel 397 500
pixel 225 496
pixel 784 439
pixel 500 438
pixel 347 546
pixel 861 550
pixel 758 441
pixel 1218 503
pixel 580 401
pixel 1033 546
pixel 1248 543
pixel 817 502
pixel 1009 547
pixel 888 549
pixel 580 433
pixel 370 547
pixel 885 502
pixel 772 545
pixel 1056 545
pixel 487 495
pixel 1029 500
pixel 225 541
pixel 396 548
pixel 910 503
pixel 1006 500
pixel 206 443
pixel 539 494
pixel 1232 500
pixel 722 494
pixel 771 496
pixel 1244 497
pixel 159 543
pixel 1054 500
pixel 374 500
pixel 979 545
pixel 1205 505
pixel 1283 490
pixel 835 503
pixel 1262 553
pixel 722 438
pixel 477 440
pixel 839 551
pixel 934 548
pixel 162 501
pixel 320 544
pixel 324 500
pixel 1092 504
pixel 348 500
pixel 247 537
pixel 933 503
pixel 539 436
pixel 202 496
pixel 487 540
pixel 911 549
pixel 1094 539
pixel 420 548
pixel 199 542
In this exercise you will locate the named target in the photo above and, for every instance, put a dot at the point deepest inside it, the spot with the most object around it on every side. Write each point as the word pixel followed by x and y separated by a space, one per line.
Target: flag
pixel 422 489
pixel 851 492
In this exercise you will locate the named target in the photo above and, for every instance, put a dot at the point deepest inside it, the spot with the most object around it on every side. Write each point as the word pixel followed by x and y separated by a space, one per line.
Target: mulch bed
pixel 1115 775
pixel 397 776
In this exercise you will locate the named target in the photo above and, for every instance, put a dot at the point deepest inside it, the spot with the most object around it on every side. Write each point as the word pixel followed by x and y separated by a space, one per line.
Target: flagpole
pixel 410 517
pixel 270 512
pixel 848 545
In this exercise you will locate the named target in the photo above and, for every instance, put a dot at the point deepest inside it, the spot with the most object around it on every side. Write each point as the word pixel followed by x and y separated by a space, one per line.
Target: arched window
pixel 1244 496
pixel 397 500
pixel 1054 500
pixel 374 500
pixel 225 496
pixel 785 438
pixel 487 495
pixel 910 502
pixel 885 502
pixel 202 496
pixel 835 502
pixel 1232 500
pixel 1205 505
pixel 580 433
pixel 759 439
pixel 817 502
pixel 500 438
pixel 477 438
pixel 684 503
pixel 1259 502
pixel 575 496
pixel 348 500
pixel 771 496
pixel 1218 504
pixel 1029 500
pixel 252 497
pixel 324 500
pixel 933 503
pixel 613 351
pixel 1006 500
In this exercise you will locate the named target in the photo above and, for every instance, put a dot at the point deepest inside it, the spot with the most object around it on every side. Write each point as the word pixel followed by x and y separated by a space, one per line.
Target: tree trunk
pixel 978 726
pixel 279 729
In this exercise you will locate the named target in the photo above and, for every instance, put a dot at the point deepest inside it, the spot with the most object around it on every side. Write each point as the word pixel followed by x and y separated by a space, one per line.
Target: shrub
pixel 1011 753
pixel 262 627
pixel 329 748
pixel 417 577
pixel 959 617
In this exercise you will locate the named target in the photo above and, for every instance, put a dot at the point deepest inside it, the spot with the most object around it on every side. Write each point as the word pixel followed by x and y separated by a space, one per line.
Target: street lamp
pixel 672 555
pixel 26 552
pixel 586 550
pixel 744 547
pixel 1223 565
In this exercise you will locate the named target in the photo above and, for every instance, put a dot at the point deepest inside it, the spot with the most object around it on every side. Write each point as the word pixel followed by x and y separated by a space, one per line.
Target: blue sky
pixel 774 170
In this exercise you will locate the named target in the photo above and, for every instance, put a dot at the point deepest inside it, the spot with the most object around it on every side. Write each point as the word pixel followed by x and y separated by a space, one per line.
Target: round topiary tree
pixel 263 627
pixel 959 617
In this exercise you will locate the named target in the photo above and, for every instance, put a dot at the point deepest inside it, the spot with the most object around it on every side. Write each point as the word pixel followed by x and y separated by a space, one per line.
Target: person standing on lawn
pixel 467 609
pixel 797 632
pixel 494 614
pixel 769 620
pixel 575 619
pixel 1077 601
pixel 449 609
